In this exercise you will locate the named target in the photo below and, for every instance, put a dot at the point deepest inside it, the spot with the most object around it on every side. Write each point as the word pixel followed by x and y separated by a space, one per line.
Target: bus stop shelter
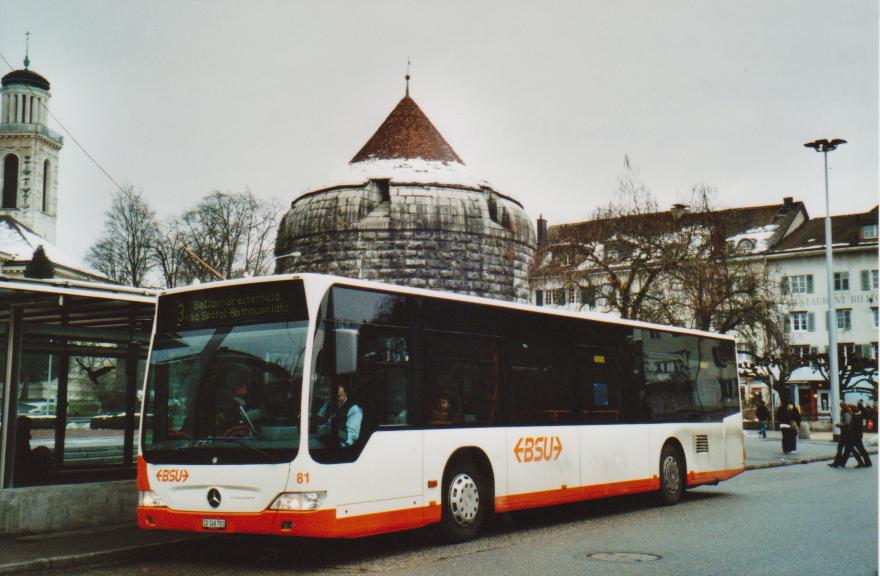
pixel 72 358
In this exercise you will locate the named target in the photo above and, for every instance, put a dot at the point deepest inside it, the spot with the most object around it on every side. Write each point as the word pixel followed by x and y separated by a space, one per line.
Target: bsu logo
pixel 537 449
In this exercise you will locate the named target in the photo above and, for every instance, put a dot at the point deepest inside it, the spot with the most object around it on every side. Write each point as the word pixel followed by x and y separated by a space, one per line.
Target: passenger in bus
pixel 441 413
pixel 348 416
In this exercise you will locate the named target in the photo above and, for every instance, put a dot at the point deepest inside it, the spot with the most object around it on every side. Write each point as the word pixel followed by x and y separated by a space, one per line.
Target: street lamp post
pixel 826 146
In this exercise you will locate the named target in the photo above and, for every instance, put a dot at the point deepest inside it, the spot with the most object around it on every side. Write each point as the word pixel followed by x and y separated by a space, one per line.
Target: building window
pixel 10 181
pixel 46 186
pixel 570 298
pixel 844 319
pixel 869 232
pixel 539 297
pixel 841 281
pixel 874 311
pixel 802 322
pixel 799 284
pixel 870 279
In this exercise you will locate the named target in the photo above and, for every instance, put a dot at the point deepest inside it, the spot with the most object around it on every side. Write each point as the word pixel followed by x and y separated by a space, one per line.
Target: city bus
pixel 319 406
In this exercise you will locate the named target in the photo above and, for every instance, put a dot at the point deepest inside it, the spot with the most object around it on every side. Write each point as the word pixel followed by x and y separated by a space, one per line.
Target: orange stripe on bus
pixel 143 481
pixel 565 495
pixel 698 478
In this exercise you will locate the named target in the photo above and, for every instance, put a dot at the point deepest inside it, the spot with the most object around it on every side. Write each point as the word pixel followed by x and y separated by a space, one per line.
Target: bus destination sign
pixel 232 305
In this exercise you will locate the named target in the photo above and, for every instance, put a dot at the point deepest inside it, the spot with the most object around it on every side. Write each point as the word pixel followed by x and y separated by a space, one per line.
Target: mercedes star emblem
pixel 214 497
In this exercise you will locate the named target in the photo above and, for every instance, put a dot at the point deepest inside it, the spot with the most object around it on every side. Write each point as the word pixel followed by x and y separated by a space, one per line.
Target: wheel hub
pixel 671 475
pixel 464 499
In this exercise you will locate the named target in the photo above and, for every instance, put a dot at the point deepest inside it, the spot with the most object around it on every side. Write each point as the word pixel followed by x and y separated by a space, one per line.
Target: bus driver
pixel 348 415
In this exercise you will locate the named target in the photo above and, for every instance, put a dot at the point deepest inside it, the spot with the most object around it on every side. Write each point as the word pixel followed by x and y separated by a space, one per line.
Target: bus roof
pixel 329 280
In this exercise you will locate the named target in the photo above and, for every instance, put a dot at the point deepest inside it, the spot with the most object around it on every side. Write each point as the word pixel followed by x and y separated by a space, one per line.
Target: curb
pixel 778 463
pixel 89 558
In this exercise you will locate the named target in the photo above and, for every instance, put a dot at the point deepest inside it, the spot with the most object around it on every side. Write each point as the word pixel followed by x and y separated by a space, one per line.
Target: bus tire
pixel 465 501
pixel 672 475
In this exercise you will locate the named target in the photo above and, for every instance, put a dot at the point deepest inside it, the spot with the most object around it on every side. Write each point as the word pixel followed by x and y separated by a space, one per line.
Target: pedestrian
pixel 763 415
pixel 788 423
pixel 846 441
pixel 857 431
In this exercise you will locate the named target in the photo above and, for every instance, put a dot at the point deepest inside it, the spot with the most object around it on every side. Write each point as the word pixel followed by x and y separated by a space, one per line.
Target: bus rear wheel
pixel 672 475
pixel 464 501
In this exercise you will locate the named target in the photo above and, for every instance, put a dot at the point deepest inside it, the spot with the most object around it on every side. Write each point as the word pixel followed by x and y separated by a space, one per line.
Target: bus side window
pixel 462 379
pixel 384 375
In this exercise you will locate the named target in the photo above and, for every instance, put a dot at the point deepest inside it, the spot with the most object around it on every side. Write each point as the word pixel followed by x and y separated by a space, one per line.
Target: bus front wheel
pixel 672 475
pixel 464 501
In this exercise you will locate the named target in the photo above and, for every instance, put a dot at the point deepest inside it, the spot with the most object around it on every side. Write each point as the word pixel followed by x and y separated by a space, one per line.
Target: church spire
pixel 407 77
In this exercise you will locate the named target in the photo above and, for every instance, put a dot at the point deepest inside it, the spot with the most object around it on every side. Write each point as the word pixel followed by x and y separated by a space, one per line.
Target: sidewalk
pixel 767 453
pixel 127 542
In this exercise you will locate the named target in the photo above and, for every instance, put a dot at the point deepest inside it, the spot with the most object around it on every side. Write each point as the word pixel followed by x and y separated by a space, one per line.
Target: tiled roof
pixel 845 229
pixel 733 221
pixel 407 133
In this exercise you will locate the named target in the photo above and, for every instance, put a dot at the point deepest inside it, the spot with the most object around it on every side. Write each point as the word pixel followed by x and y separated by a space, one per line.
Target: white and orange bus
pixel 313 405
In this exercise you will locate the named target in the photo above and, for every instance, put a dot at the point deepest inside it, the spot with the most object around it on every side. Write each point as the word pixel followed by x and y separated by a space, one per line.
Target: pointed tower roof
pixel 407 133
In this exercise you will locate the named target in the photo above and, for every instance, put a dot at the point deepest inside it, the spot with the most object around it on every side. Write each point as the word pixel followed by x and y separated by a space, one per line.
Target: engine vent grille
pixel 702 441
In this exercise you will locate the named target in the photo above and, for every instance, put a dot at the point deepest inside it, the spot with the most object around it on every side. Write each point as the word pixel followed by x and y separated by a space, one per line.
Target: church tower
pixel 28 152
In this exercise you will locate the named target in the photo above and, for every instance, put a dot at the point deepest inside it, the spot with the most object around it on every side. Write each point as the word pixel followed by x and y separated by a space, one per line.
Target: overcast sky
pixel 543 99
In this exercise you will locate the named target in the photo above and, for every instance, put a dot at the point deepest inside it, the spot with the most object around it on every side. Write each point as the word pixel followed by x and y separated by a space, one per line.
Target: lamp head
pixel 824 145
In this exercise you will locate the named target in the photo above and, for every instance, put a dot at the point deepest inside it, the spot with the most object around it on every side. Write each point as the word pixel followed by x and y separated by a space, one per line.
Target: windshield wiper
pixel 240 442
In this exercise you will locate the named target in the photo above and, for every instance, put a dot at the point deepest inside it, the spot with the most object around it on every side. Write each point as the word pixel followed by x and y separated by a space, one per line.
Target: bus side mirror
pixel 346 351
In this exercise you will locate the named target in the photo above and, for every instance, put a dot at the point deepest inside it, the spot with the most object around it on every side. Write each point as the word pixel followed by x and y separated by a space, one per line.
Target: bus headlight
pixel 299 501
pixel 149 498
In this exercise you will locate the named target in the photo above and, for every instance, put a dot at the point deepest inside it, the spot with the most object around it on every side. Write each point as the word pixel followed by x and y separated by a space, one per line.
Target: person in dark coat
pixel 763 415
pixel 786 417
pixel 848 419
pixel 858 427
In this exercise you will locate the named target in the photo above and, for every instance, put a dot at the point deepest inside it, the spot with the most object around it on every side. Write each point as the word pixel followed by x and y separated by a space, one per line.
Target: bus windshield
pixel 225 376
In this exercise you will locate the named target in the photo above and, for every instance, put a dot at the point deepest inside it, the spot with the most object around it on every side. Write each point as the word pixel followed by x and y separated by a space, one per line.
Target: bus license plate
pixel 214 523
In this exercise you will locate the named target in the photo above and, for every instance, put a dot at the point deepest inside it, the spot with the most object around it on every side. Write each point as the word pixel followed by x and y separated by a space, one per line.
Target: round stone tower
pixel 405 210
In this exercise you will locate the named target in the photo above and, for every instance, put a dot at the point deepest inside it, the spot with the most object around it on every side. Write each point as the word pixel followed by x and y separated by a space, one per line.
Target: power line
pixel 66 131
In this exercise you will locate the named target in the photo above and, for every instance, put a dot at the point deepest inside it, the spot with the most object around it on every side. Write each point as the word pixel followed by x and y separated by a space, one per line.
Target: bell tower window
pixel 46 186
pixel 10 181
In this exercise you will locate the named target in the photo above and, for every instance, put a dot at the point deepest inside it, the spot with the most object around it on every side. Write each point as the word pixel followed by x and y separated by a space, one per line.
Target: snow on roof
pixel 403 170
pixel 19 243
pixel 761 236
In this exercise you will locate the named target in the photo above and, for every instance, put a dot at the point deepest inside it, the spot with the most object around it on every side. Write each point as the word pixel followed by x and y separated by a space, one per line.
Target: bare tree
pixel 772 358
pixel 853 370
pixel 123 252
pixel 715 287
pixel 233 232
pixel 169 256
pixel 618 260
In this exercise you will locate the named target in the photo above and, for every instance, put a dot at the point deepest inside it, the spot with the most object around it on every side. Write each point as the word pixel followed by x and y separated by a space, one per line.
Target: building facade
pixel 407 211
pixel 799 263
pixel 785 242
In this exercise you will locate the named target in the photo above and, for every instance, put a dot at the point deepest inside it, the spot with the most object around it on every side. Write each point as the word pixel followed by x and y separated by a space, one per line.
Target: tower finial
pixel 407 76
pixel 27 45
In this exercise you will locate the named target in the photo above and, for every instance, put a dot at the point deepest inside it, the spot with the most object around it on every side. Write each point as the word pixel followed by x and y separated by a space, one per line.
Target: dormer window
pixel 869 232
pixel 745 245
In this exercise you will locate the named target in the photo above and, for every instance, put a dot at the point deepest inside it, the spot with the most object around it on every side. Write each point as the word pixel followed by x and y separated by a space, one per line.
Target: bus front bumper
pixel 319 523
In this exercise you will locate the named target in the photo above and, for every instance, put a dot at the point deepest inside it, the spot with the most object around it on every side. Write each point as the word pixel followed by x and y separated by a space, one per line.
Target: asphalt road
pixel 803 519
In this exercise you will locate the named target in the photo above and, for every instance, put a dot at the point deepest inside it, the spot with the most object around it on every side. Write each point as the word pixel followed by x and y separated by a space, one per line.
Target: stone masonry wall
pixel 466 241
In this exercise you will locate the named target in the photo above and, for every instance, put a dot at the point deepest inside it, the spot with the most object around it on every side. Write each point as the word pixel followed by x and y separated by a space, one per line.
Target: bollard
pixel 804 431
